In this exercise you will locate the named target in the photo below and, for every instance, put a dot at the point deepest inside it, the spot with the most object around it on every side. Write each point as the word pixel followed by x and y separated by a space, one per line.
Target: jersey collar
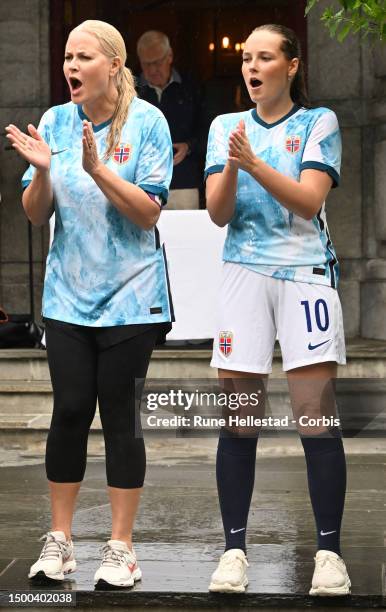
pixel 259 120
pixel 95 128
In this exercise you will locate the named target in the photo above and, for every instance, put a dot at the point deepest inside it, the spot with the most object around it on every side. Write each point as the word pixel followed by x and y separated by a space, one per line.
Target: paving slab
pixel 178 535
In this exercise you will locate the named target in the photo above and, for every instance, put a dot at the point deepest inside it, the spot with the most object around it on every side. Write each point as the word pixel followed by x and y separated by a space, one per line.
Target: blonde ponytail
pixel 126 93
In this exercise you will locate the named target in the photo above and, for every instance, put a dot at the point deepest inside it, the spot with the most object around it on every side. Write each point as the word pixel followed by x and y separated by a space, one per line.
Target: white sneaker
pixel 56 559
pixel 330 576
pixel 119 566
pixel 230 575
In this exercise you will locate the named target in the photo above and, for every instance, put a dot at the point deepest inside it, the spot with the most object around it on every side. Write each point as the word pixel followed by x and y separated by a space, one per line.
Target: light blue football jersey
pixel 102 269
pixel 263 235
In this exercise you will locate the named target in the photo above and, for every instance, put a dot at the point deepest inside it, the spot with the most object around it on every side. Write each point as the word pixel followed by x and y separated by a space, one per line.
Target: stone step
pixel 31 364
pixel 19 397
pixel 365 359
pixel 28 432
pixel 358 397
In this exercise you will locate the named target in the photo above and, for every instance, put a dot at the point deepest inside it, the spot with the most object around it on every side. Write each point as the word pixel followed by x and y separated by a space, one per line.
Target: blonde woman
pixel 106 294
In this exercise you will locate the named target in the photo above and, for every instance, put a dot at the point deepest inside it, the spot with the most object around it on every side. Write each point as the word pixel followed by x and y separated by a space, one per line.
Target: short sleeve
pixel 217 150
pixel 323 149
pixel 155 162
pixel 44 129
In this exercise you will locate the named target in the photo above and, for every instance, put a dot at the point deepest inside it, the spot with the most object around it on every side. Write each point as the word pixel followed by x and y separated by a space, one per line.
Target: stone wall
pixel 24 95
pixel 350 79
pixel 373 294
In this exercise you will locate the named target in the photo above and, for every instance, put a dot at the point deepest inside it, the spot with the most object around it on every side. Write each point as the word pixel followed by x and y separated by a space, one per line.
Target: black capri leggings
pixel 83 369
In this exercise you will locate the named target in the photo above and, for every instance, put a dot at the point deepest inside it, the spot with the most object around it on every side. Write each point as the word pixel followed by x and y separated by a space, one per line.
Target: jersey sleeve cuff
pixel 213 170
pixel 25 183
pixel 312 165
pixel 156 190
pixel 155 198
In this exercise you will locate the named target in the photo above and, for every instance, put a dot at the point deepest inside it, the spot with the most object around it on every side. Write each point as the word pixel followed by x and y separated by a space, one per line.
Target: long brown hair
pixel 113 45
pixel 291 48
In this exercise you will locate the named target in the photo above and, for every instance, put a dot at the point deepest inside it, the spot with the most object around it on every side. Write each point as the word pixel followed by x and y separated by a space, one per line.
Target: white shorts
pixel 255 309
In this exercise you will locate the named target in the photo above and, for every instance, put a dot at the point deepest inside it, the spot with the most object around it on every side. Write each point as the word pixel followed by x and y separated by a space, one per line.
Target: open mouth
pixel 75 84
pixel 255 83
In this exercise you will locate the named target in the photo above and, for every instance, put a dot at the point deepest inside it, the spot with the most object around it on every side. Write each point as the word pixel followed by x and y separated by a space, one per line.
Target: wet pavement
pixel 178 535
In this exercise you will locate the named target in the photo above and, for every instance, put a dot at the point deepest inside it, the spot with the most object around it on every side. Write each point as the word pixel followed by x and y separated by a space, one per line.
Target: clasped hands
pixel 240 154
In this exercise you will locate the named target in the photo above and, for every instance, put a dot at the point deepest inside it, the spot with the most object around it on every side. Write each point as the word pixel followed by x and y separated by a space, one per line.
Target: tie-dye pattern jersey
pixel 102 269
pixel 263 235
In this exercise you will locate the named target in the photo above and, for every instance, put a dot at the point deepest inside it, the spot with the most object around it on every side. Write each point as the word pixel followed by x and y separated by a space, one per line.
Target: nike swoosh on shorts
pixel 311 347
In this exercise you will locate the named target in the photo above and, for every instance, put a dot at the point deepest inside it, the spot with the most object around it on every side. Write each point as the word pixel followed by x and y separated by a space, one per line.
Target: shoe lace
pixel 113 557
pixel 325 560
pixel 52 548
pixel 233 562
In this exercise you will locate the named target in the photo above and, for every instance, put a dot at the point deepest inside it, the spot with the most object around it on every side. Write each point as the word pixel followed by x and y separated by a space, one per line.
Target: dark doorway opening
pixel 196 28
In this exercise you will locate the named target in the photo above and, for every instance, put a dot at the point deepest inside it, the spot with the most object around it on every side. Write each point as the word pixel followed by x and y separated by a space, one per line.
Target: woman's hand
pixel 31 147
pixel 180 152
pixel 90 159
pixel 240 151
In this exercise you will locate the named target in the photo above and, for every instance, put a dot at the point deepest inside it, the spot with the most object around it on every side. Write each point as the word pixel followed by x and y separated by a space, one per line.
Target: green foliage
pixel 365 16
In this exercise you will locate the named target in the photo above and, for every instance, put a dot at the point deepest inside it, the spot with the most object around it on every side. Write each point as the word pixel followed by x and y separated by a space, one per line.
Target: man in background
pixel 178 99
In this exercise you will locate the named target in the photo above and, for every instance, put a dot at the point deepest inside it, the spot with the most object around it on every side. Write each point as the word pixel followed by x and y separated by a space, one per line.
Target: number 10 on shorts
pixel 320 312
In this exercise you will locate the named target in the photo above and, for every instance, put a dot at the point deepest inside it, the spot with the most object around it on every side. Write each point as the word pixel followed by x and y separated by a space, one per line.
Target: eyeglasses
pixel 155 63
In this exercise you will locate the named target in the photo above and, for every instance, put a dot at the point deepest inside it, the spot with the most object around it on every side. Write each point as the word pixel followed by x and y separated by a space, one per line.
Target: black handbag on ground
pixel 19 331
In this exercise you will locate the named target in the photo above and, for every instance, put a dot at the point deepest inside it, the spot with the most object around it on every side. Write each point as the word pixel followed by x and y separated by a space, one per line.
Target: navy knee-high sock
pixel 235 471
pixel 326 469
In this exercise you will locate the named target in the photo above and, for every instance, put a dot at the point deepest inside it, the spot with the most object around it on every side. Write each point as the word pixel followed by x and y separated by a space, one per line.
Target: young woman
pixel 269 171
pixel 103 162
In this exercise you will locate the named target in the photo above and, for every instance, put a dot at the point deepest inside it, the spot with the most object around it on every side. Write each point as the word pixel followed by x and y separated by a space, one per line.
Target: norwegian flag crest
pixel 122 154
pixel 292 144
pixel 225 342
